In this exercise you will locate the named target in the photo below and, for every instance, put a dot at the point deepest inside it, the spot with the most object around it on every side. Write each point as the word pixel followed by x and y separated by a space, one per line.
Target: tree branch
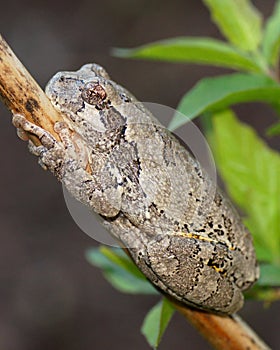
pixel 21 94
pixel 223 332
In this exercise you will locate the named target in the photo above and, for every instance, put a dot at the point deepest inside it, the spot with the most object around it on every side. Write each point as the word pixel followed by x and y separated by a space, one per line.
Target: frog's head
pixel 87 94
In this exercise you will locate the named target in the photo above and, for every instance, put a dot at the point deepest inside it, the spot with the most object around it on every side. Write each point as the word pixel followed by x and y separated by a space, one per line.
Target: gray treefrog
pixel 149 191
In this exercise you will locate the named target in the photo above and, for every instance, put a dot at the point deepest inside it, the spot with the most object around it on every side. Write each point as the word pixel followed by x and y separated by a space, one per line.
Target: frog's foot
pixel 25 127
pixel 51 153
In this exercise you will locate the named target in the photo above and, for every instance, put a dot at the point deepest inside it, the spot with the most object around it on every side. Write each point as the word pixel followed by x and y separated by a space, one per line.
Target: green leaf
pixel 251 171
pixel 263 293
pixel 118 257
pixel 269 276
pixel 239 21
pixel 271 40
pixel 212 94
pixel 196 50
pixel 273 130
pixel 120 271
pixel 156 322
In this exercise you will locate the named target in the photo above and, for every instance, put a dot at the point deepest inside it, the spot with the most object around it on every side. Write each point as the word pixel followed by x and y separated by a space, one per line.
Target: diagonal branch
pixel 223 332
pixel 21 94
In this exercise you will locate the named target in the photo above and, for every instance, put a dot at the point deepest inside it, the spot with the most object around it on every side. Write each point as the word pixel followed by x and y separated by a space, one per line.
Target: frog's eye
pixel 93 93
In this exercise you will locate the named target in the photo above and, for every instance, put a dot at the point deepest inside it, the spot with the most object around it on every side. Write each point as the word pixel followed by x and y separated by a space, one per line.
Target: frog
pixel 148 190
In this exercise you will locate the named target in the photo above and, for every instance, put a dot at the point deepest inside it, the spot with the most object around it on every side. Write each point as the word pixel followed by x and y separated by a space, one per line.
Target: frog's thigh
pixel 181 269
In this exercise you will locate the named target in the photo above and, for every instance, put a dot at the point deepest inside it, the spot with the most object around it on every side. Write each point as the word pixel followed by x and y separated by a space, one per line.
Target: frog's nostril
pixel 61 79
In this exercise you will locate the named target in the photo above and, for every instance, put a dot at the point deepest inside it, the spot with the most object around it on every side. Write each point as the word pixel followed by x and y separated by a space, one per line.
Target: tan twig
pixel 223 332
pixel 22 94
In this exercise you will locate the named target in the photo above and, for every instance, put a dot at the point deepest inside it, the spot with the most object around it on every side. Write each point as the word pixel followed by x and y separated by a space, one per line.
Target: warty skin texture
pixel 149 191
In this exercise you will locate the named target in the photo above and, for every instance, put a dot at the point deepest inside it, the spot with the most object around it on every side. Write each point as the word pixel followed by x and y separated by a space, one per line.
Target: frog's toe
pixel 36 150
pixel 25 127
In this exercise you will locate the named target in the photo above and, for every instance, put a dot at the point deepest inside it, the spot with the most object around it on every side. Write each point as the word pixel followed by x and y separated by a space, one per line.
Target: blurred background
pixel 50 297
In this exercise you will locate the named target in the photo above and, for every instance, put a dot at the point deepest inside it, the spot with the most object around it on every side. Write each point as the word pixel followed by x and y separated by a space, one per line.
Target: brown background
pixel 50 297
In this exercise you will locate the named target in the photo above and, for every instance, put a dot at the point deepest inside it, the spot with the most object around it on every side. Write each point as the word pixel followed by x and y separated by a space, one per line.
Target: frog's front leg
pixel 68 160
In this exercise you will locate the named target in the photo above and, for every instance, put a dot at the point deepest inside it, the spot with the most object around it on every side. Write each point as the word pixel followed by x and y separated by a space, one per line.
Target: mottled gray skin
pixel 150 193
